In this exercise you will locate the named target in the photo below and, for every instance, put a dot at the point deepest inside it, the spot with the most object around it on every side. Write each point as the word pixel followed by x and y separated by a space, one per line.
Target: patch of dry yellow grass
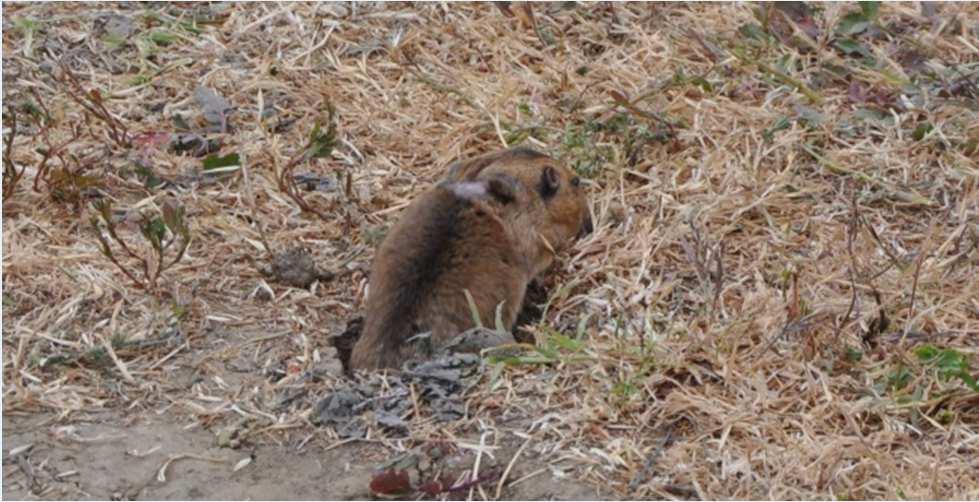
pixel 753 227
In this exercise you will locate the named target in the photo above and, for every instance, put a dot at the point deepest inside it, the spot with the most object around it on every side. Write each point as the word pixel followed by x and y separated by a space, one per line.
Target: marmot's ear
pixel 502 188
pixel 550 181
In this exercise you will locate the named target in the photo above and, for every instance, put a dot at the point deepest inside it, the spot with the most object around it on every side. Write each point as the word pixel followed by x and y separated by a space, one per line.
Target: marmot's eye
pixel 576 181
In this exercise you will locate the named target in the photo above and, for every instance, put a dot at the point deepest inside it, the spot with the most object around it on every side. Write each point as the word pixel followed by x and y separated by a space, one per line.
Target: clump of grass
pixel 167 234
pixel 581 149
pixel 948 363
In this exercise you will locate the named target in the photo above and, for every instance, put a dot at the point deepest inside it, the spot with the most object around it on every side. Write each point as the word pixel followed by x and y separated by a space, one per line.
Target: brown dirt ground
pixel 108 457
pixel 117 453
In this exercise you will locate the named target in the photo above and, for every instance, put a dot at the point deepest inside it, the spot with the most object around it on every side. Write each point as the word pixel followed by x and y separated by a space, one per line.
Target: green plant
pixel 858 21
pixel 949 363
pixel 167 234
pixel 66 183
pixel 580 148
pixel 556 348
pixel 319 145
pixel 629 384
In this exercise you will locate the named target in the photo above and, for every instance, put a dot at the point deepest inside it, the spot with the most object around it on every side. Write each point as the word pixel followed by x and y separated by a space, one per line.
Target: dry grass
pixel 780 228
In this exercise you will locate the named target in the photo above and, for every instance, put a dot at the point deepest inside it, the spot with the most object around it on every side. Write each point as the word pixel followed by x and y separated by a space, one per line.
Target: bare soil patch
pixel 105 458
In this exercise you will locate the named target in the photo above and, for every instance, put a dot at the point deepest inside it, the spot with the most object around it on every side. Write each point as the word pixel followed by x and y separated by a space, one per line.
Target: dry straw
pixel 781 225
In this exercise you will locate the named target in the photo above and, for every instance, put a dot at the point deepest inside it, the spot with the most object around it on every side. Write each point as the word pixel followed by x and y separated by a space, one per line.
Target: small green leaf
pixel 321 143
pixel 26 24
pixel 160 37
pixel 950 363
pixel 535 359
pixel 969 381
pixel 625 389
pixel 703 83
pixel 215 161
pixel 190 27
pixel 869 9
pixel 36 113
pixel 852 24
pixel 548 352
pixel 781 124
pixel 899 379
pixel 851 47
pixel 113 41
pixel 926 353
pixel 753 31
pixel 150 180
pixel 154 230
pixel 180 123
pixel 565 343
pixel 138 80
pixel 921 131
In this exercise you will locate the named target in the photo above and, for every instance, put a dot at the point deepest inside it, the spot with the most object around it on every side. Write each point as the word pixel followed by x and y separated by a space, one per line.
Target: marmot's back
pixel 488 229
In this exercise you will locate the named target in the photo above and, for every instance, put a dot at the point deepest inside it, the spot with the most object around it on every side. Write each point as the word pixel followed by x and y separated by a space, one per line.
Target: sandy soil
pixel 108 456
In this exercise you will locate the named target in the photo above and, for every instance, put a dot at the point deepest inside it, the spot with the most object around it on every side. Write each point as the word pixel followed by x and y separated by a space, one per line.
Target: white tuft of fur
pixel 468 190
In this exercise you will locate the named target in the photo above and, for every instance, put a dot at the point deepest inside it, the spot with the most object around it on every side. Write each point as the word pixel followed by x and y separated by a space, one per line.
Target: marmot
pixel 489 227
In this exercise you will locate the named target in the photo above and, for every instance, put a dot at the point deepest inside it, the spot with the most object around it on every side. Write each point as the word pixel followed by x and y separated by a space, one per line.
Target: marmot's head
pixel 545 194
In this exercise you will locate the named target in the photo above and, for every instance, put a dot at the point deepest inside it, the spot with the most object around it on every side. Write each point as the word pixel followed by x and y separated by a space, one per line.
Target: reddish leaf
pixel 432 488
pixel 391 482
pixel 856 93
pixel 801 14
pixel 152 139
pixel 808 25
pixel 911 60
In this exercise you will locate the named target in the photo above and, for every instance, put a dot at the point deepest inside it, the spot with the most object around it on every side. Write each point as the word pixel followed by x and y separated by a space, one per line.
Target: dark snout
pixel 586 227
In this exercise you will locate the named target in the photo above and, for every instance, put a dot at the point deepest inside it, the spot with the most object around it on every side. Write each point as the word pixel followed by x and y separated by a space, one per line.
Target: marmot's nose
pixel 587 227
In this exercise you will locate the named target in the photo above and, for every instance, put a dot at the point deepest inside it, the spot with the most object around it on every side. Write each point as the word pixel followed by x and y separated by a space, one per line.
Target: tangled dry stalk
pixel 779 300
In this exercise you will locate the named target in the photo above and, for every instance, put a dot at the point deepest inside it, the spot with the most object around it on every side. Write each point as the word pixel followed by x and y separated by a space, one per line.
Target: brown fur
pixel 493 224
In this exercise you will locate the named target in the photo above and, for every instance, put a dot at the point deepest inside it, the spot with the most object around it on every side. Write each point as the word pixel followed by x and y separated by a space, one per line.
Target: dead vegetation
pixel 779 299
